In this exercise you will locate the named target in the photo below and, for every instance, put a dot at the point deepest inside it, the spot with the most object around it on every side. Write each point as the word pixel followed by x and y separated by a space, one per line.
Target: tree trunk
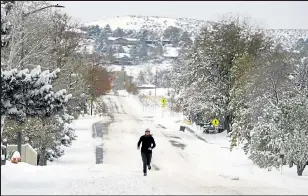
pixel 300 169
pixel 3 151
pixel 42 161
pixel 3 117
pixel 227 123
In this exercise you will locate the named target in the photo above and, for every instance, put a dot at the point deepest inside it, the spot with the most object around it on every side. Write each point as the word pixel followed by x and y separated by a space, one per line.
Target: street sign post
pixel 163 102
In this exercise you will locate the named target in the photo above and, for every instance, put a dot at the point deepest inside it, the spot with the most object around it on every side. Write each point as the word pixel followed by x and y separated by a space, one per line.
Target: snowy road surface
pixel 182 163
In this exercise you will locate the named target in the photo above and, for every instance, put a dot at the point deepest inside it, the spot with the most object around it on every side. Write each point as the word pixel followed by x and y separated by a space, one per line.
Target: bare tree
pixel 29 35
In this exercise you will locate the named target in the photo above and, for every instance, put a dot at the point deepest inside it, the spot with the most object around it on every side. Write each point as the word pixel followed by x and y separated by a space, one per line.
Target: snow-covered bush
pixel 30 94
pixel 283 131
pixel 68 135
pixel 27 93
pixel 206 75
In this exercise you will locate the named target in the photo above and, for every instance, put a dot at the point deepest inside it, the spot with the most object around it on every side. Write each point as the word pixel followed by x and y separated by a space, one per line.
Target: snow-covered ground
pixel 182 163
pixel 135 70
pixel 217 148
pixel 160 92
pixel 75 172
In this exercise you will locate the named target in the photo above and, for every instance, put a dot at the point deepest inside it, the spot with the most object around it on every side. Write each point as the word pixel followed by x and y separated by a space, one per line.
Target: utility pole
pixel 92 86
pixel 22 56
pixel 124 77
pixel 155 81
pixel 130 79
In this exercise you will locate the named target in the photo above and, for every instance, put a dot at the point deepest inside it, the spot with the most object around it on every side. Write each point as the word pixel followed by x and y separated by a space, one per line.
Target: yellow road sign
pixel 163 100
pixel 188 122
pixel 215 122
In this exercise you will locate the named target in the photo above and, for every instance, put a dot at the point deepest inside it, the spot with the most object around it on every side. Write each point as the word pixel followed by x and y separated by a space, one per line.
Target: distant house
pixel 152 42
pixel 165 42
pixel 146 86
pixel 122 41
pixel 131 41
pixel 122 59
pixel 171 53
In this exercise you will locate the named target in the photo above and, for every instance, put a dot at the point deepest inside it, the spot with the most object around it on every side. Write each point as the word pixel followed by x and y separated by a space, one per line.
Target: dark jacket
pixel 147 142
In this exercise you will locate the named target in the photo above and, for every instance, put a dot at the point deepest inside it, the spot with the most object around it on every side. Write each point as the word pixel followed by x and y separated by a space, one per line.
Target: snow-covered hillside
pixel 153 23
pixel 159 24
pixel 287 37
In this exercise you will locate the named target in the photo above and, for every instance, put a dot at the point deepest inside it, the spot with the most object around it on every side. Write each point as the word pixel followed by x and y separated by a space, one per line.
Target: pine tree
pixel 173 34
pixel 185 39
pixel 27 93
pixel 134 53
pixel 141 78
pixel 107 30
pixel 118 33
pixel 142 46
pixel 93 31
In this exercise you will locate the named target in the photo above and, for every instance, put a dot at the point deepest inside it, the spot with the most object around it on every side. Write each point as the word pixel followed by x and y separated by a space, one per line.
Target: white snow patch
pixel 171 52
pixel 121 55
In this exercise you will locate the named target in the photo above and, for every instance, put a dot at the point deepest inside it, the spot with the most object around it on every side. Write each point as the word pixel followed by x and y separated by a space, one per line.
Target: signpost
pixel 163 102
pixel 91 104
pixel 215 122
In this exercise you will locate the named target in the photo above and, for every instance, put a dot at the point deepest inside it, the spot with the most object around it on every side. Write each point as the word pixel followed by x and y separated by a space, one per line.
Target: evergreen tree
pixel 107 31
pixel 93 31
pixel 141 78
pixel 142 46
pixel 185 39
pixel 27 93
pixel 118 33
pixel 173 34
pixel 134 53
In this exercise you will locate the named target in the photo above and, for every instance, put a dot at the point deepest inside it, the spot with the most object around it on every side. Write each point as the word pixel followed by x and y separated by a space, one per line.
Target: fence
pixel 28 154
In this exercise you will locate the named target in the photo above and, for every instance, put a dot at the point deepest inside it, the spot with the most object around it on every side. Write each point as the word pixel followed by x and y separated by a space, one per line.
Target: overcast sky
pixel 271 14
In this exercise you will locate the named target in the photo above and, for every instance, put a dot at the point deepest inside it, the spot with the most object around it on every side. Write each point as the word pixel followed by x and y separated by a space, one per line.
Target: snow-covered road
pixel 182 163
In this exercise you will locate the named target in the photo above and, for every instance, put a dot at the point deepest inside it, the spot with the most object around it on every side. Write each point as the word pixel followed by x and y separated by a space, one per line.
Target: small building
pixel 171 53
pixel 146 86
pixel 122 41
pixel 122 59
pixel 152 42
pixel 165 42
pixel 131 41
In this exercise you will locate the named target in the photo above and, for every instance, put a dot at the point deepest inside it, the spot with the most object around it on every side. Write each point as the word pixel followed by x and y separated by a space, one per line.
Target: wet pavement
pixel 177 144
pixel 197 136
pixel 99 130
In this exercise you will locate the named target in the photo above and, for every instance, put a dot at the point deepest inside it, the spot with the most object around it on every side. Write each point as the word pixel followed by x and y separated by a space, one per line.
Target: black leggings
pixel 146 159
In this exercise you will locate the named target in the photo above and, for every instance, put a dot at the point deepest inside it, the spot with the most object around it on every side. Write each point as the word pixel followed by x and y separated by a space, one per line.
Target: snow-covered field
pixel 135 70
pixel 182 163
